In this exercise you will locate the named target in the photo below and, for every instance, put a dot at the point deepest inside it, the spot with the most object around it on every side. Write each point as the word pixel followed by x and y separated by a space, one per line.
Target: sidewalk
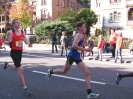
pixel 127 58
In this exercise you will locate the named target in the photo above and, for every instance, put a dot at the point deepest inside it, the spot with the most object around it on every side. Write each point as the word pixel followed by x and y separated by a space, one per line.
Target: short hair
pixel 13 21
pixel 79 24
pixel 113 30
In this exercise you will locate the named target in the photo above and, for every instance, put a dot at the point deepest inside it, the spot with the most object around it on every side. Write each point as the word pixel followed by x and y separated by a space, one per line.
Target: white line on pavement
pixel 78 79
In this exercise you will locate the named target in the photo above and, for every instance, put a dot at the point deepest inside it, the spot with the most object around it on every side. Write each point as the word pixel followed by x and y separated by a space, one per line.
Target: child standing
pixel 100 46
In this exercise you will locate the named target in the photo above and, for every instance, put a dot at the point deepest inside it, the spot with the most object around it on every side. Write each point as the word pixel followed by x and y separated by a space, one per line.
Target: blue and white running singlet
pixel 74 53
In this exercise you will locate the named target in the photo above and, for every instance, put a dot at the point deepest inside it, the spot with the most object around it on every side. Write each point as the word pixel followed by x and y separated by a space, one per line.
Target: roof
pixel 85 5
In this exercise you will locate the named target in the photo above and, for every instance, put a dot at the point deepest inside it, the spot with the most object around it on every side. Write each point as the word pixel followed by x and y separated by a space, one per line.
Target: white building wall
pixel 47 7
pixel 115 25
pixel 105 9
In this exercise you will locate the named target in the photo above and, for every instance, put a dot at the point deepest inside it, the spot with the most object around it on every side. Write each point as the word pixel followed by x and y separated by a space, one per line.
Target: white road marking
pixel 78 79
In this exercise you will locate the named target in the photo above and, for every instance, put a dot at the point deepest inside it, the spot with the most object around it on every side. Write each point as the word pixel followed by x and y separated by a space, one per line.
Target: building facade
pixel 51 9
pixel 43 10
pixel 115 14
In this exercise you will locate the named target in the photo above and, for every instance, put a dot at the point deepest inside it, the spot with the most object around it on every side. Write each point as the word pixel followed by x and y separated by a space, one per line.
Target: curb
pixel 110 60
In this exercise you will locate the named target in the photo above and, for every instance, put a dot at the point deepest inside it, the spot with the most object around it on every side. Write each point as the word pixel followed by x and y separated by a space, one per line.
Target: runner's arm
pixel 8 38
pixel 24 39
pixel 77 39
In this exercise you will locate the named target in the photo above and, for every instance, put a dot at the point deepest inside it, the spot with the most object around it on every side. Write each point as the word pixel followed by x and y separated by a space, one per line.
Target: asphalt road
pixel 69 86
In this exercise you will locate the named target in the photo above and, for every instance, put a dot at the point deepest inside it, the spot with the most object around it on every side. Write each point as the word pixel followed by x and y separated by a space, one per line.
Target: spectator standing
pixel 100 47
pixel 112 41
pixel 64 45
pixel 1 43
pixel 119 44
pixel 131 47
pixel 90 45
pixel 54 42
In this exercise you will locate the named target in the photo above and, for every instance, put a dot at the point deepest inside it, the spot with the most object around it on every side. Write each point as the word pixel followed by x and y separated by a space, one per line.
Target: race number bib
pixel 19 43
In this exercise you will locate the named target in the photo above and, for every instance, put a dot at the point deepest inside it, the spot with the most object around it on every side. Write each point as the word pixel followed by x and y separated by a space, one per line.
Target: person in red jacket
pixel 119 44
pixel 1 43
pixel 100 47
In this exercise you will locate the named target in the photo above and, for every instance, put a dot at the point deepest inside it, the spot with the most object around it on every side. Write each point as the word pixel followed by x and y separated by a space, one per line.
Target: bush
pixel 46 28
pixel 126 44
pixel 3 36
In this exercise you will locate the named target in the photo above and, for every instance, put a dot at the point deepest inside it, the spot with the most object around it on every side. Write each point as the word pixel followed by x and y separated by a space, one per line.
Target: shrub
pixel 3 35
pixel 126 44
pixel 46 28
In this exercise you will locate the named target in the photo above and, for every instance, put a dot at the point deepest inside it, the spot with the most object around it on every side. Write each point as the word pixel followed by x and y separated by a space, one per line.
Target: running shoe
pixel 27 92
pixel 118 78
pixel 92 95
pixel 5 65
pixel 48 74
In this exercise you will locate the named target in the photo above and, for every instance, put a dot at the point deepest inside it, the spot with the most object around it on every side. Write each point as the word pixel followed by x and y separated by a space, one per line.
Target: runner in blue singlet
pixel 74 56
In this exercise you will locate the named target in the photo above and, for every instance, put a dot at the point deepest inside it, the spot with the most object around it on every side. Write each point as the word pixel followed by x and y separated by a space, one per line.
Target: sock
pixel 51 71
pixel 88 91
pixel 24 87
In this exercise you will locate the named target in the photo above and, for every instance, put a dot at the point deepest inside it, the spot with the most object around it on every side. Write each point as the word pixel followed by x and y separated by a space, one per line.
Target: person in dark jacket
pixel 54 42
pixel 90 45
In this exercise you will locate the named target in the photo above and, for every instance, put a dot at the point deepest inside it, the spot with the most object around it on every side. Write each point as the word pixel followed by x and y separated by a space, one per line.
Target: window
pixel 43 2
pixel 111 17
pixel 43 16
pixel 63 3
pixel 57 2
pixel 74 6
pixel 119 16
pixel 71 5
pixel 115 17
pixel 77 8
pixel 98 18
pixel 98 3
pixel 113 2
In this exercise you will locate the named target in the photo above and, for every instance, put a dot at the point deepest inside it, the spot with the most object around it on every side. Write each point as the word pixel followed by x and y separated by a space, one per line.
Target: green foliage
pixel 3 35
pixel 126 44
pixel 99 32
pixel 46 28
pixel 22 11
pixel 86 15
pixel 86 1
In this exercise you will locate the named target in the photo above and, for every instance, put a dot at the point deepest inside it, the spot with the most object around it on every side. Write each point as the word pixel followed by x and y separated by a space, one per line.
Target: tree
pixel 22 11
pixel 4 6
pixel 86 15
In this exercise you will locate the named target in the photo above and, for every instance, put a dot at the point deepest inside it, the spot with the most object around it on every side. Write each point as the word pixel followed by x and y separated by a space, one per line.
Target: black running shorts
pixel 16 56
pixel 70 60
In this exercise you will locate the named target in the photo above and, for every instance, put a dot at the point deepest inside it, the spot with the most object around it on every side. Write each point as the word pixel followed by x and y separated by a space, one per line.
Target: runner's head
pixel 15 23
pixel 81 27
